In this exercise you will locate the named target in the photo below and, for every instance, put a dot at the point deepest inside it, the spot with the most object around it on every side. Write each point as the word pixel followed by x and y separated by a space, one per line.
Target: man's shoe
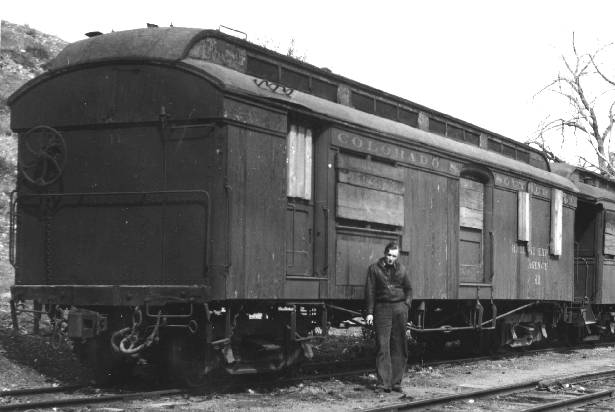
pixel 380 389
pixel 398 388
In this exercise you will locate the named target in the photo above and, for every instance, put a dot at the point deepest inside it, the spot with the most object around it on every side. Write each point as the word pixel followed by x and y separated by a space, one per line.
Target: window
pixel 508 151
pixel 295 80
pixel 262 69
pixel 523 216
pixel 494 145
pixel 523 156
pixel 437 126
pixel 471 212
pixel 454 132
pixel 370 191
pixel 471 208
pixel 362 102
pixel 325 90
pixel 299 162
pixel 409 117
pixel 557 205
pixel 472 138
pixel 384 109
pixel 475 225
pixel 609 233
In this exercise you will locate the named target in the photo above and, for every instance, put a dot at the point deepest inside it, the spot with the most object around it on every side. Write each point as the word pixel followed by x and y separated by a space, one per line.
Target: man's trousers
pixel 392 349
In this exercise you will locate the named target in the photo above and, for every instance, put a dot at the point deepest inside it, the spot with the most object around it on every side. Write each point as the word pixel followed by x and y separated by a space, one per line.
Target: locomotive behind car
pixel 191 199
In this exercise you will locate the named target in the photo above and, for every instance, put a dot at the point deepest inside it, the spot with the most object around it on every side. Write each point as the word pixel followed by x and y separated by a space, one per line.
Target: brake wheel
pixel 43 155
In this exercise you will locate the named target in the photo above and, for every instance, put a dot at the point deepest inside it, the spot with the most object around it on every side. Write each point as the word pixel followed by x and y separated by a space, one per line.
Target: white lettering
pixel 357 142
pixel 342 137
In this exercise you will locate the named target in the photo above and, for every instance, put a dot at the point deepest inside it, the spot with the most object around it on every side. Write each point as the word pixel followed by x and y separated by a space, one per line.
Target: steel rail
pixel 421 403
pixel 41 390
pixel 506 390
pixel 90 400
pixel 578 401
pixel 360 368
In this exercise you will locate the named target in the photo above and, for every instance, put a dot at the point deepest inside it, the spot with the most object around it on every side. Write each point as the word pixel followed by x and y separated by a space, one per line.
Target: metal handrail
pixel 448 328
pixel 12 226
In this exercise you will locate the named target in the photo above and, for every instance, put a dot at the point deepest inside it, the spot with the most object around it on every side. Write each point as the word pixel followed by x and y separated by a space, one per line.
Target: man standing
pixel 388 296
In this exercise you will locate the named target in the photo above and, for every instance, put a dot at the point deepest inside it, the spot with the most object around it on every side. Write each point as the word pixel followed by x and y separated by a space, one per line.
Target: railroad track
pixel 74 395
pixel 68 397
pixel 84 394
pixel 531 396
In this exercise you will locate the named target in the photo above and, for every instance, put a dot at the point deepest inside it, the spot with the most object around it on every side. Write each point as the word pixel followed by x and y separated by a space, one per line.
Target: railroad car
pixel 592 307
pixel 188 198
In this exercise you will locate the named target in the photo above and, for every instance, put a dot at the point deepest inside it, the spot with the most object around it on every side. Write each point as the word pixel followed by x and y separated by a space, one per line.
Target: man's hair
pixel 393 245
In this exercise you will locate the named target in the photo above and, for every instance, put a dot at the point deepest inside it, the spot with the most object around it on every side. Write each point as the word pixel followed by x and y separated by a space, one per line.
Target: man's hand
pixel 369 319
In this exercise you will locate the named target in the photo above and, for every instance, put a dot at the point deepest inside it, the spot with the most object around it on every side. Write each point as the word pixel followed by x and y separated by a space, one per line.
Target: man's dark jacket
pixel 387 284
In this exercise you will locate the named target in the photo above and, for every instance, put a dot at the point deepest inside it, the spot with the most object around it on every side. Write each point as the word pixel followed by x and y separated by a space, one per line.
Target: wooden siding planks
pixel 258 201
pixel 370 181
pixel 607 284
pixel 369 191
pixel 428 231
pixel 195 161
pixel 354 253
pixel 506 248
pixel 471 203
pixel 108 95
pixel 299 240
pixel 534 267
pixel 359 203
pixel 471 255
pixel 348 162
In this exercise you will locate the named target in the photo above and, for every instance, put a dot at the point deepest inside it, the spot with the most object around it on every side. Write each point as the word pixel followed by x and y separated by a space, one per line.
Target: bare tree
pixel 590 97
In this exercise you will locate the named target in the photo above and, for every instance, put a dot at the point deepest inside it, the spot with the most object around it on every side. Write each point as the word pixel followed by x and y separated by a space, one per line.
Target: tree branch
pixel 576 84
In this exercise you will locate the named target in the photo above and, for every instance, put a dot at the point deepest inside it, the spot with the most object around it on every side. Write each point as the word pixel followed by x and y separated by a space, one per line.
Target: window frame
pixel 484 176
pixel 299 169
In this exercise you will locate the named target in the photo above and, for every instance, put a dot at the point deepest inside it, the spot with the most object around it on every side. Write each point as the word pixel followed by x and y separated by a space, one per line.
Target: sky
pixel 480 61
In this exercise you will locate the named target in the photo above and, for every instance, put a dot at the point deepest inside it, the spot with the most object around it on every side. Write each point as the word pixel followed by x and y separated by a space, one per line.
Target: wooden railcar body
pixel 178 121
pixel 593 243
pixel 202 169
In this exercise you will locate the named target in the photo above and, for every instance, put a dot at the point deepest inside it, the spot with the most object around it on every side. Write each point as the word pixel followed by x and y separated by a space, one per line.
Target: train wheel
pixel 488 342
pixel 189 360
pixel 568 335
pixel 107 367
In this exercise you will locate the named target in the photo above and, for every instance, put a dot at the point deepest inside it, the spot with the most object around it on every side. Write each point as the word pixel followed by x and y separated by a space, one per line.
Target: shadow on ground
pixel 27 354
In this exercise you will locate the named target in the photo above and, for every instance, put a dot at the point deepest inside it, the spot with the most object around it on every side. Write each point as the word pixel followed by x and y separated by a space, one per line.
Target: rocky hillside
pixel 24 52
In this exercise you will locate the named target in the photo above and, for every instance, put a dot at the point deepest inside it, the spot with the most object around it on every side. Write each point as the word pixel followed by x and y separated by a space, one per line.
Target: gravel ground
pixel 28 361
pixel 419 383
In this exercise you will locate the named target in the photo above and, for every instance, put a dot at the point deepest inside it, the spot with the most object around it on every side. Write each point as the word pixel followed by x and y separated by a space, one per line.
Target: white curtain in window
pixel 299 161
pixel 523 216
pixel 557 219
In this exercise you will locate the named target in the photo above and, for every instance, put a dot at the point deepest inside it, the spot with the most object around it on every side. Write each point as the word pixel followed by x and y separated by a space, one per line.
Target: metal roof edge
pixel 240 82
